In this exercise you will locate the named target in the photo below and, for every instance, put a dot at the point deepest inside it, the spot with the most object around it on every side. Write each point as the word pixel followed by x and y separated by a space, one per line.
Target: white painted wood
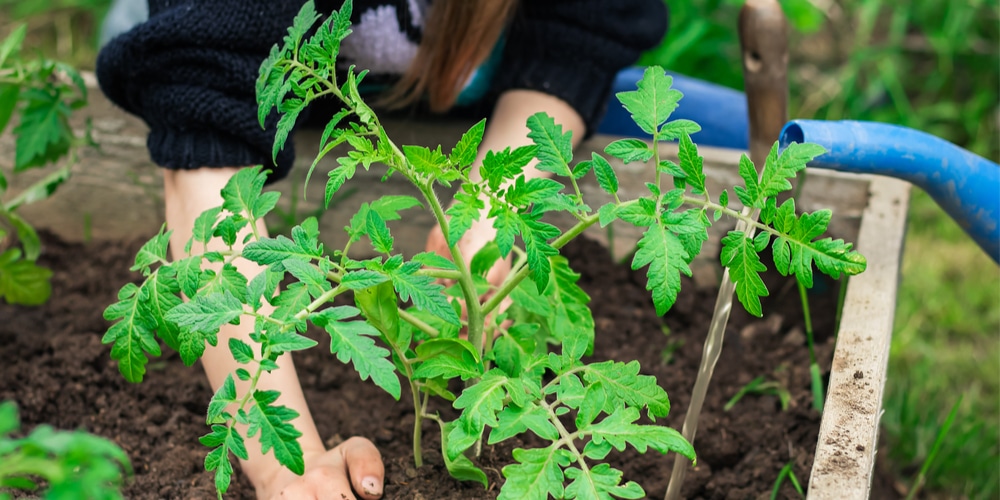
pixel 848 437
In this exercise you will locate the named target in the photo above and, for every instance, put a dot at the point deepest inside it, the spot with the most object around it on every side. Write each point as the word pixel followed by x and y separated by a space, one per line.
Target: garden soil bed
pixel 56 369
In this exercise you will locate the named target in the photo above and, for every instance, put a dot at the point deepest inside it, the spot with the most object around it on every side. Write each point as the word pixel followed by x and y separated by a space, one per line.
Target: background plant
pixel 513 383
pixel 64 464
pixel 41 94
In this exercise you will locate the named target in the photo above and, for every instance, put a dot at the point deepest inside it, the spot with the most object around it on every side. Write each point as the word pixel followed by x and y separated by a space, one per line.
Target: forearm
pixel 187 194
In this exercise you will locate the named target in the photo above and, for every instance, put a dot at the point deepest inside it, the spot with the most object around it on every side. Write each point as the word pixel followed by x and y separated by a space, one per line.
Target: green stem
pixel 814 372
pixel 514 279
pixel 420 325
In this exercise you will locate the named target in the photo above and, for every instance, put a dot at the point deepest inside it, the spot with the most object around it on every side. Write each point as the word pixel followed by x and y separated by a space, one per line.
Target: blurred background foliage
pixel 927 64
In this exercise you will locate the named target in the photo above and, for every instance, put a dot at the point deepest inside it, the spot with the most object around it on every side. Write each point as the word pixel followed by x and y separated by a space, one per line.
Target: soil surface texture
pixel 58 372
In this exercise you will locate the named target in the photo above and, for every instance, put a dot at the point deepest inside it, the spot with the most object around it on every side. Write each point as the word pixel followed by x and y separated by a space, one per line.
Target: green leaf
pixel 484 259
pixel 691 164
pixel 379 305
pixel 389 206
pixel 523 193
pixel 555 148
pixel 591 406
pixel 153 251
pixel 653 102
pixel 423 291
pixel 430 162
pixel 207 313
pixel 272 422
pixel 432 259
pixel 777 172
pixel 31 244
pixel 224 439
pixel 43 134
pixel 204 225
pixel 159 296
pixel 269 251
pixel 629 150
pixel 227 280
pixel 132 334
pixel 480 404
pixel 514 420
pixel 242 352
pixel 224 396
pixel 606 177
pixel 308 274
pixel 464 153
pixel 357 280
pixel 12 43
pixel 536 235
pixel 459 466
pixel 677 129
pixel 190 277
pixel 667 258
pixel 336 180
pixel 607 214
pixel 378 231
pixel 263 286
pixel 242 191
pixel 537 474
pixel 739 255
pixel 352 342
pixel 282 342
pixel 600 482
pixel 449 367
pixel 22 281
pixel 9 93
pixel 463 212
pixel 624 386
pixel 291 301
pixel 620 428
pixel 507 224
pixel 505 165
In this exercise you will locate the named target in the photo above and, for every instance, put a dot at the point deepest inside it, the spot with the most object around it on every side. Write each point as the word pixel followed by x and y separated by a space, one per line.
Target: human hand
pixel 353 466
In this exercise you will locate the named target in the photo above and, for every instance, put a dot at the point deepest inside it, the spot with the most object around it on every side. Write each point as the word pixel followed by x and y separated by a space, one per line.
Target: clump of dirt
pixel 58 372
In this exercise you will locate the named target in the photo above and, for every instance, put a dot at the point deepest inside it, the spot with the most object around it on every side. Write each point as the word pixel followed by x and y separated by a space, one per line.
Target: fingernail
pixel 372 486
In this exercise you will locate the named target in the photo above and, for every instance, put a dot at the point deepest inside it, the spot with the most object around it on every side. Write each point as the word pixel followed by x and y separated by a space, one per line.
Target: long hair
pixel 458 36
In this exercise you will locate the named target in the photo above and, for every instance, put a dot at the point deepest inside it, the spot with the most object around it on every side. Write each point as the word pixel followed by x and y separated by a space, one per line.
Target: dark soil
pixel 56 369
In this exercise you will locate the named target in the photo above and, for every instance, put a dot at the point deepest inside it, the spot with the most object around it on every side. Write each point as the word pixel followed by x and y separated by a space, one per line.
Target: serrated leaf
pixel 352 342
pixel 481 402
pixel 43 135
pixel 525 192
pixel 653 101
pixel 677 129
pixel 336 179
pixel 514 420
pixel 629 150
pixel 379 305
pixel 268 251
pixel 624 386
pixel 505 165
pixel 779 169
pixel 430 162
pixel 276 433
pixel 463 212
pixel 39 190
pixel 378 232
pixel 607 214
pixel 159 297
pixel 206 313
pixel 291 301
pixel 459 466
pixel 204 225
pixel 536 235
pixel 507 224
pixel 744 265
pixel 600 482
pixel 691 163
pixel 449 367
pixel 464 153
pixel 620 428
pixel 555 148
pixel 724 198
pixel 132 334
pixel 289 341
pixel 227 280
pixel 484 259
pixel 308 274
pixel 357 280
pixel 537 474
pixel 431 259
pixel 241 351
pixel 666 257
pixel 423 291
pixel 242 191
pixel 224 396
pixel 153 251
pixel 190 277
pixel 606 177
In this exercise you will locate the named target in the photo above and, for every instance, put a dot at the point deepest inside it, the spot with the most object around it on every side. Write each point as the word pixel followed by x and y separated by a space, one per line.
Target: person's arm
pixel 329 474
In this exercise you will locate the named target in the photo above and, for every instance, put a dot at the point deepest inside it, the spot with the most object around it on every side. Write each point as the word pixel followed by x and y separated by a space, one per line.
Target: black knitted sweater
pixel 189 71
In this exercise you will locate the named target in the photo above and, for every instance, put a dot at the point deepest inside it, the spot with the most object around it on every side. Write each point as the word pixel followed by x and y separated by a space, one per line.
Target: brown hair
pixel 458 36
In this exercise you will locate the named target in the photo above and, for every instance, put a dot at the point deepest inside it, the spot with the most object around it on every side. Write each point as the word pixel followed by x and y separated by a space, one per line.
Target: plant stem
pixel 514 279
pixel 814 373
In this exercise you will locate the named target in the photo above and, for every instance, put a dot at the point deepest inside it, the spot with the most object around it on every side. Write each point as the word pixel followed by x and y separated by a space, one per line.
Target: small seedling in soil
pixel 787 472
pixel 761 386
pixel 42 93
pixel 523 368
pixel 61 464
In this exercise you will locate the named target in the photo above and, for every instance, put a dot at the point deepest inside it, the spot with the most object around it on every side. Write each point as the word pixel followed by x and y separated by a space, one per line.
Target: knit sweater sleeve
pixel 189 72
pixel 572 49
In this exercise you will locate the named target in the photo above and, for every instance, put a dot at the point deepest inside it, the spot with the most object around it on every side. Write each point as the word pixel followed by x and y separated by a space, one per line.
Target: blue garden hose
pixel 965 185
